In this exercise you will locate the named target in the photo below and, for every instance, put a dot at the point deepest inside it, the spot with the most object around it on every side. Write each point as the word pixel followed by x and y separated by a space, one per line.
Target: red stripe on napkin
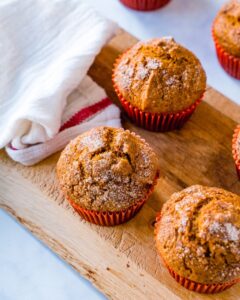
pixel 82 115
pixel 86 112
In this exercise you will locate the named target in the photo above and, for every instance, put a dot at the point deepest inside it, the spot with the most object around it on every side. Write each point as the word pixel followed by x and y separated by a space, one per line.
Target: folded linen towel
pixel 46 98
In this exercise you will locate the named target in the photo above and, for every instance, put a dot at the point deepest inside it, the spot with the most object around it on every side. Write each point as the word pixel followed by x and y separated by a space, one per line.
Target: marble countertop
pixel 29 270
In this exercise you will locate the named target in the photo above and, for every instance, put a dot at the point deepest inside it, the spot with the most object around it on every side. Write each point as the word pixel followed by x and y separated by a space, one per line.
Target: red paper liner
pixel 106 218
pixel 200 287
pixel 144 5
pixel 235 151
pixel 192 285
pixel 159 122
pixel 230 63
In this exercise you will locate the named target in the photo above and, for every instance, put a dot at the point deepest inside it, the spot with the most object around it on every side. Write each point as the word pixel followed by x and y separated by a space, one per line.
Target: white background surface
pixel 28 270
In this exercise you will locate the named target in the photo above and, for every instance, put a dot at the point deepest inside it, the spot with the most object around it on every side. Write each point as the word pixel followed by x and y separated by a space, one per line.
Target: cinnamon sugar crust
pixel 227 27
pixel 107 169
pixel 198 234
pixel 160 76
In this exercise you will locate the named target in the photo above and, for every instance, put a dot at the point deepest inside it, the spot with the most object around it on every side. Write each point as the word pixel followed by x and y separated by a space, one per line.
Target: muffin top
pixel 227 27
pixel 198 234
pixel 107 169
pixel 159 76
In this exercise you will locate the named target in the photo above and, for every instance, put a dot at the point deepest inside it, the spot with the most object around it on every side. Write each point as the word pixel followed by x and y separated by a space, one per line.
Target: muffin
pixel 226 35
pixel 198 237
pixel 107 174
pixel 159 83
pixel 144 5
pixel 236 149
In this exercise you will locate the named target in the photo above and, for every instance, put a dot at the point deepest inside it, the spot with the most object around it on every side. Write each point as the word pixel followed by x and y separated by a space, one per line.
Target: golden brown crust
pixel 160 76
pixel 198 234
pixel 226 27
pixel 107 169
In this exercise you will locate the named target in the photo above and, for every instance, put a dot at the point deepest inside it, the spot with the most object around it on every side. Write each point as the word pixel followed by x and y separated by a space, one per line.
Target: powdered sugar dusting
pixel 185 204
pixel 129 71
pixel 214 227
pixel 128 74
pixel 153 64
pixel 183 224
pixel 229 231
pixel 142 72
pixel 95 144
pixel 126 82
pixel 232 231
pixel 172 80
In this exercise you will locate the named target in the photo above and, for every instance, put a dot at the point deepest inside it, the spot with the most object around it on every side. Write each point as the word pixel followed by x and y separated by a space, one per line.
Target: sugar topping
pixel 107 169
pixel 128 72
pixel 142 72
pixel 153 63
pixel 172 80
pixel 126 82
pixel 202 241
pixel 230 232
pixel 183 223
pixel 184 205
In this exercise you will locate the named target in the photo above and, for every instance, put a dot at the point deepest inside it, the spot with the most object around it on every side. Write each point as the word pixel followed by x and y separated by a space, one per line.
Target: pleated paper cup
pixel 157 122
pixel 200 287
pixel 192 285
pixel 145 5
pixel 230 63
pixel 108 218
pixel 235 151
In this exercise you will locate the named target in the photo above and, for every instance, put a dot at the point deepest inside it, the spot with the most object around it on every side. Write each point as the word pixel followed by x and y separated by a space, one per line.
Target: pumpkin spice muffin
pixel 107 174
pixel 236 149
pixel 159 83
pixel 226 34
pixel 198 238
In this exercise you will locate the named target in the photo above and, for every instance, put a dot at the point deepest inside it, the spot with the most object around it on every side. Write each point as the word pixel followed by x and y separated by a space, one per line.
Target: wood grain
pixel 122 261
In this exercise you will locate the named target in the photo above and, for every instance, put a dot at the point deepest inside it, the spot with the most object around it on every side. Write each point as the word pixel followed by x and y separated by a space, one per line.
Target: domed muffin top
pixel 226 27
pixel 107 169
pixel 159 76
pixel 198 234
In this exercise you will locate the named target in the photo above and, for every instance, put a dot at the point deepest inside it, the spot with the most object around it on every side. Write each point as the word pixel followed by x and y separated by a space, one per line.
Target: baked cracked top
pixel 227 27
pixel 198 234
pixel 160 76
pixel 107 169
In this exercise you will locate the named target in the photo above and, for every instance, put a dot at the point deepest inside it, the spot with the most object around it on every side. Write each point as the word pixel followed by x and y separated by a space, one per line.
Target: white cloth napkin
pixel 46 98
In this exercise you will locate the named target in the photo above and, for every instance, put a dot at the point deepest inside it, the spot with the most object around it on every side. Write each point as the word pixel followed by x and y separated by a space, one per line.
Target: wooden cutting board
pixel 122 261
